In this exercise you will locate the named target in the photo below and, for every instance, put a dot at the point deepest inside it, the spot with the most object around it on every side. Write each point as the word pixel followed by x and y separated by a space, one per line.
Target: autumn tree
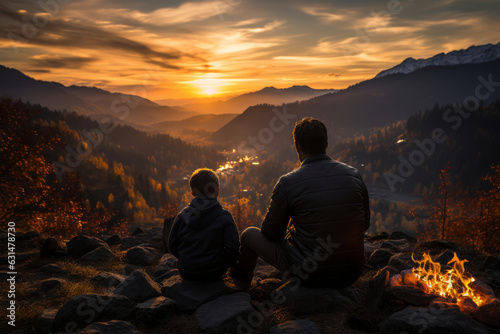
pixel 30 193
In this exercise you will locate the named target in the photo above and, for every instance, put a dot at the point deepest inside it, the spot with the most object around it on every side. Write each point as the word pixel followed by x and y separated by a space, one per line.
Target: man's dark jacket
pixel 205 239
pixel 325 206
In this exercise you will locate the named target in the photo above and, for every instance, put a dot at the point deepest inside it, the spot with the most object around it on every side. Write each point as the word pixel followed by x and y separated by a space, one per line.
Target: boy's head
pixel 204 182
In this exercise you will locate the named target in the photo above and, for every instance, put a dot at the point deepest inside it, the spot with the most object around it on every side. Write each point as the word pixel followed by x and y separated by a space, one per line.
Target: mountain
pixel 472 55
pixel 90 101
pixel 270 95
pixel 372 103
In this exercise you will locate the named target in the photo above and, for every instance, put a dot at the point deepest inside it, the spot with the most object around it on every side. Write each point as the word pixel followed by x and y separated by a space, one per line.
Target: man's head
pixel 204 182
pixel 310 137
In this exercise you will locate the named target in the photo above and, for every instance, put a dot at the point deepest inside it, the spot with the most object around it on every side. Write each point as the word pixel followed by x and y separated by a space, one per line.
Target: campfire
pixel 454 283
pixel 449 286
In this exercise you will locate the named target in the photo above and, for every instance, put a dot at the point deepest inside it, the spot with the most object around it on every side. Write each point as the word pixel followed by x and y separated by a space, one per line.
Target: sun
pixel 209 91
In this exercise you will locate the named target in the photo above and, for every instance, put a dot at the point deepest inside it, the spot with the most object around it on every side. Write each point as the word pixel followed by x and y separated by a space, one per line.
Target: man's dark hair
pixel 204 182
pixel 311 135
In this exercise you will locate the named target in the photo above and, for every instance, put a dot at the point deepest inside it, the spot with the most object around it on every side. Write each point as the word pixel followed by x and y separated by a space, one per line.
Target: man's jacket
pixel 320 212
pixel 205 239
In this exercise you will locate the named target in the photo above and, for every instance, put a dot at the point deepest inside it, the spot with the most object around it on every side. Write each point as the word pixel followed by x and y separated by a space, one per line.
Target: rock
pixel 376 289
pixel 401 261
pixel 111 327
pixel 303 300
pixel 482 289
pixel 189 296
pixel 167 226
pixel 143 256
pixel 154 309
pixel 167 263
pixel 492 277
pixel 263 288
pixel 99 254
pixel 431 321
pixel 53 269
pixel 82 244
pixel 138 287
pixel 50 284
pixel 114 240
pixel 440 303
pixel 20 257
pixel 467 305
pixel 395 280
pixel 409 295
pixel 445 257
pixel 167 275
pixel 266 271
pixel 370 247
pixel 378 237
pixel 129 269
pixel 398 235
pixel 492 262
pixel 219 315
pixel 107 279
pixel 79 311
pixel 437 245
pixel 379 258
pixel 301 326
pixel 409 278
pixel 489 314
pixel 399 245
pixel 137 231
pixel 45 321
pixel 51 247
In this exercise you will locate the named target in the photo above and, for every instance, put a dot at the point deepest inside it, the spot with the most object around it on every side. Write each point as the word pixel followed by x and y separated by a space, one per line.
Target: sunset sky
pixel 175 49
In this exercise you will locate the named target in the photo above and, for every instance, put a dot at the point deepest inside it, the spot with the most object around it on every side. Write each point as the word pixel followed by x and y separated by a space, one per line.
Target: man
pixel 315 223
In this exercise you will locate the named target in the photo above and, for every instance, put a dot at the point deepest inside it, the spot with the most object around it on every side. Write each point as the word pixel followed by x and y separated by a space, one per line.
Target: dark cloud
pixel 62 62
pixel 70 34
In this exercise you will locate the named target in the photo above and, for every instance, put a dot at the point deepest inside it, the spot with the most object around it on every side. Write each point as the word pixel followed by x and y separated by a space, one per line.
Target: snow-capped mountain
pixel 472 55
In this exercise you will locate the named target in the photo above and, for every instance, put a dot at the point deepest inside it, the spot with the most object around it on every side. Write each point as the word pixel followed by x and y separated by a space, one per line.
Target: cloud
pixel 55 61
pixel 327 15
pixel 334 74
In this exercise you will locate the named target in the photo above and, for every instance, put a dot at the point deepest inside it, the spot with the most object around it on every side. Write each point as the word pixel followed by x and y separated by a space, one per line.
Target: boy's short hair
pixel 204 182
pixel 311 135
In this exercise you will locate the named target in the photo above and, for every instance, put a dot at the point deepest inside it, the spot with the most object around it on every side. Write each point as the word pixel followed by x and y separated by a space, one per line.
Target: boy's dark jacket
pixel 204 238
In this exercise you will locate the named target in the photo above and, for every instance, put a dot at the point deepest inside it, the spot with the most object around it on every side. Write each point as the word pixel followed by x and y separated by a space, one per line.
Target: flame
pixel 453 283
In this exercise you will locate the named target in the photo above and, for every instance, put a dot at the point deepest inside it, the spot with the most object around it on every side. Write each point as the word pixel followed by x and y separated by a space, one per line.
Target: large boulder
pixel 107 279
pixel 401 261
pixel 80 311
pixel 397 235
pixel 189 296
pixel 303 300
pixel 53 269
pixel 166 263
pixel 398 245
pixel 220 315
pixel 154 309
pixel 45 321
pixel 51 247
pixel 114 240
pixel 409 295
pixel 141 255
pixel 489 313
pixel 380 258
pixel 138 287
pixel 431 321
pixel 82 244
pixel 111 327
pixel 99 254
pixel 301 326
pixel 370 247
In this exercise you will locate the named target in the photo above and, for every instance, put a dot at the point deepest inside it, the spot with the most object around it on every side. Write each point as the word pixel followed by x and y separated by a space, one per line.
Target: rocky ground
pixel 129 285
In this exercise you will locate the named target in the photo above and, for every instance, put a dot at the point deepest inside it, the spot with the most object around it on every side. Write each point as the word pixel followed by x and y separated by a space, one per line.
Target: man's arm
pixel 278 214
pixel 173 240
pixel 231 239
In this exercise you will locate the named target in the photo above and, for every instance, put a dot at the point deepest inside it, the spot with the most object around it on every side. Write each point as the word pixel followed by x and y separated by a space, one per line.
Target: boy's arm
pixel 231 240
pixel 173 240
pixel 278 214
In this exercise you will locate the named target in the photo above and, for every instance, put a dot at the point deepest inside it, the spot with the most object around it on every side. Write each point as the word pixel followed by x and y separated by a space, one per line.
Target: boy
pixel 204 236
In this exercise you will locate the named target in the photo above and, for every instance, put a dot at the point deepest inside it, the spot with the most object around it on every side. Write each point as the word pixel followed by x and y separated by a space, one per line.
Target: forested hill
pixel 108 173
pixel 408 156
